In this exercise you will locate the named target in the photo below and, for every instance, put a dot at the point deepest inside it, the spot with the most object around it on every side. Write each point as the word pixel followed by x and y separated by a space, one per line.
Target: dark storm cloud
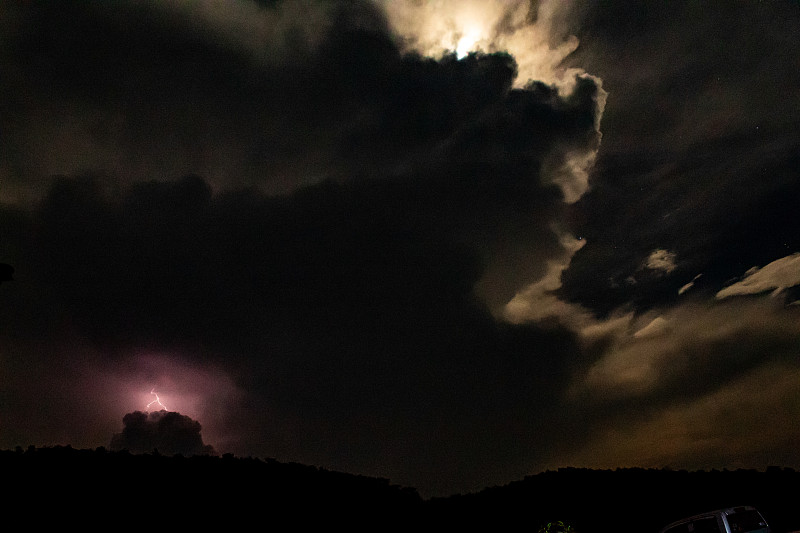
pixel 236 92
pixel 168 432
pixel 355 219
pixel 153 95
pixel 297 95
pixel 355 309
pixel 692 201
pixel 699 151
pixel 341 307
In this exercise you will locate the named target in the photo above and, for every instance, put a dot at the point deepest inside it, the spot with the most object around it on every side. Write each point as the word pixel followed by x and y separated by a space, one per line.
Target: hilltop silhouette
pixel 98 488
pixel 623 500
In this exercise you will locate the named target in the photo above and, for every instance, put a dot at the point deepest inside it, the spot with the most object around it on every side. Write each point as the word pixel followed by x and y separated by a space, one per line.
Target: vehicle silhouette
pixel 745 519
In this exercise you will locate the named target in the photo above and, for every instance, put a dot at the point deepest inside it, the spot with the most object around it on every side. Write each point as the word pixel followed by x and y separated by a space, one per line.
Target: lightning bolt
pixel 157 400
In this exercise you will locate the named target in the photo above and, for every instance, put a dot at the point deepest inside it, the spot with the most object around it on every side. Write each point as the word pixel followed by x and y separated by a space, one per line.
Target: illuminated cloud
pixel 529 32
pixel 776 276
pixel 689 343
pixel 570 171
pixel 688 286
pixel 658 326
pixel 741 424
pixel 661 261
pixel 539 301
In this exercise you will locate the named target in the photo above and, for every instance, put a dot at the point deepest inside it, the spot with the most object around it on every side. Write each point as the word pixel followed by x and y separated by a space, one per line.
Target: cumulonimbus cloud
pixel 168 432
pixel 420 195
pixel 533 35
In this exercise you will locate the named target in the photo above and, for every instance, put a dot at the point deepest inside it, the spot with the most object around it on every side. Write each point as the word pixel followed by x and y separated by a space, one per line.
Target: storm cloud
pixel 355 309
pixel 166 432
pixel 700 147
pixel 332 236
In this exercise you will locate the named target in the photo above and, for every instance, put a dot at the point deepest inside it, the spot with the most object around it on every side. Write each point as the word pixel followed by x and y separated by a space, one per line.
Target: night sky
pixel 449 243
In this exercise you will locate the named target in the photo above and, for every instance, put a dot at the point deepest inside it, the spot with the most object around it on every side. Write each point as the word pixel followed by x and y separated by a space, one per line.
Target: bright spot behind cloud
pixel 530 32
pixel 468 42
pixel 527 31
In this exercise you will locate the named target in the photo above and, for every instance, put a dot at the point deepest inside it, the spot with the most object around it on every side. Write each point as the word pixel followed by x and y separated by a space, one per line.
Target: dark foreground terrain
pixel 94 489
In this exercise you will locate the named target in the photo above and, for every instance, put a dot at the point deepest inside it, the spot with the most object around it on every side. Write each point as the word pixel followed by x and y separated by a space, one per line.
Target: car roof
pixel 726 511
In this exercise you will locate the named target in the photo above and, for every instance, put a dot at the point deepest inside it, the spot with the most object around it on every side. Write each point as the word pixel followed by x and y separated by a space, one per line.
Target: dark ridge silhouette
pixel 6 273
pixel 93 488
pixel 622 500
pixel 62 486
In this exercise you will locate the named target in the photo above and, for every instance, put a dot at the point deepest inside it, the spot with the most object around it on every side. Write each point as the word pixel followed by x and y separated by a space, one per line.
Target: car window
pixel 704 525
pixel 700 525
pixel 746 521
